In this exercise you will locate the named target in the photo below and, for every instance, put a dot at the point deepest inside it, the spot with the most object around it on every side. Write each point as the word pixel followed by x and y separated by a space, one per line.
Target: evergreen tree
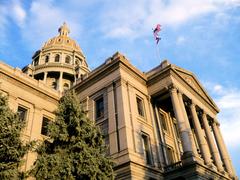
pixel 12 148
pixel 75 148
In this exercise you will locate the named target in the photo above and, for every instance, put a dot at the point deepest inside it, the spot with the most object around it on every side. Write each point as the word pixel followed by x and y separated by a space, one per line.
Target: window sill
pixel 143 118
pixel 100 120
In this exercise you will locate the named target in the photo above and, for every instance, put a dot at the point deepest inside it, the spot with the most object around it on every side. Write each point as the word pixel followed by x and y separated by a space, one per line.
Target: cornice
pixel 159 75
pixel 59 48
pixel 139 77
pixel 97 74
pixel 111 65
pixel 57 65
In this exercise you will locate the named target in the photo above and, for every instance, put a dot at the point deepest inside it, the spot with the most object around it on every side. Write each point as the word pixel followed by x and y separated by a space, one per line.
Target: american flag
pixel 155 33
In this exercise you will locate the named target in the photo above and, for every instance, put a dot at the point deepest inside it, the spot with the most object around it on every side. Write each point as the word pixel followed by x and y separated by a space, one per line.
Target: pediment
pixel 192 81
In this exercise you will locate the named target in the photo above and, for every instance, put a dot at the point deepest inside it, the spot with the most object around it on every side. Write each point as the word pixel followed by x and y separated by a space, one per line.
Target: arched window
pixel 78 61
pixel 36 61
pixel 46 59
pixel 65 86
pixel 67 59
pixel 57 58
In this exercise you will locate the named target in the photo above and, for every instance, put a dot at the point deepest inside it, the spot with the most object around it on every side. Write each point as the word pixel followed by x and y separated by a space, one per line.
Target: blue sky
pixel 200 36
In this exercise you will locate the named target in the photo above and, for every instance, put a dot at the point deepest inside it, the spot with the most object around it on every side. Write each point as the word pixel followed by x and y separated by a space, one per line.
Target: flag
pixel 155 33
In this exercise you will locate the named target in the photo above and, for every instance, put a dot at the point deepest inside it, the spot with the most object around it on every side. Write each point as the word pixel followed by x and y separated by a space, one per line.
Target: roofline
pixel 114 62
pixel 37 85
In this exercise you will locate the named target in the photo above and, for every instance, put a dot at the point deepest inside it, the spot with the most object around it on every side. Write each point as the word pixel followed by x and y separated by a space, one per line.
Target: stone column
pixel 212 145
pixel 45 77
pixel 60 87
pixel 112 125
pixel 73 62
pixel 75 79
pixel 202 142
pixel 222 148
pixel 187 124
pixel 61 58
pixel 187 148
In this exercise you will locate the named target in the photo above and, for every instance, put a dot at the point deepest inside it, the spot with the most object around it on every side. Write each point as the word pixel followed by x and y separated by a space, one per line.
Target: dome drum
pixel 59 57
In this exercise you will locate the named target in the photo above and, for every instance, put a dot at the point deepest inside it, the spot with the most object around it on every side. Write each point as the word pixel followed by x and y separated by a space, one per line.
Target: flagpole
pixel 157 52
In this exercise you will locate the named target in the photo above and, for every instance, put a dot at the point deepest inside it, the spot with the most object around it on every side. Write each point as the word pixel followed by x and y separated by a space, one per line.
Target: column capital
pixel 204 113
pixel 215 122
pixel 149 98
pixel 172 88
pixel 180 92
pixel 110 88
pixel 192 104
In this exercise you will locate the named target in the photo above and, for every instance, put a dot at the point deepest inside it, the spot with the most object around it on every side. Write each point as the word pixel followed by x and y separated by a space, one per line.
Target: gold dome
pixel 62 41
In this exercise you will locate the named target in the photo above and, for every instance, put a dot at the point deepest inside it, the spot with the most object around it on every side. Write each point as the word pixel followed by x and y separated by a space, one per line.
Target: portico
pixel 195 114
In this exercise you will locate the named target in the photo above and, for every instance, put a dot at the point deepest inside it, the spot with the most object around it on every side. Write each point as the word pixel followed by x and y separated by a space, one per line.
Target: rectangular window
pixel 140 106
pixel 45 123
pixel 99 107
pixel 22 113
pixel 104 129
pixel 170 158
pixel 147 149
pixel 163 122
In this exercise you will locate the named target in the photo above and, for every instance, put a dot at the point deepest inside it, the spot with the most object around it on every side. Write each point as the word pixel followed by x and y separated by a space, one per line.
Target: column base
pixel 190 157
pixel 213 167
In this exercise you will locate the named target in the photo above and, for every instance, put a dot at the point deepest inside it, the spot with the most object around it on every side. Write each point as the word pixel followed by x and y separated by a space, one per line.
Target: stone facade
pixel 161 124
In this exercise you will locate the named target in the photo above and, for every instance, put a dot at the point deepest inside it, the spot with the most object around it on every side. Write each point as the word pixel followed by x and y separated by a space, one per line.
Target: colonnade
pixel 213 144
pixel 60 80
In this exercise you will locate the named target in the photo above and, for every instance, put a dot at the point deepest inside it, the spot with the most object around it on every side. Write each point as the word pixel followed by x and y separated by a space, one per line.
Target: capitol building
pixel 160 124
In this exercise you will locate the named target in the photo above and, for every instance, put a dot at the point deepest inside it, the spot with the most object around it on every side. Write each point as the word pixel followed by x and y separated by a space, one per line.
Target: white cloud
pixel 3 21
pixel 44 19
pixel 10 10
pixel 228 100
pixel 18 13
pixel 14 10
pixel 218 88
pixel 115 19
pixel 135 19
pixel 180 40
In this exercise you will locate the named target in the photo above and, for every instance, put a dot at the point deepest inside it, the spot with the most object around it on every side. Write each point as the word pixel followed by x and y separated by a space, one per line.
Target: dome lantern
pixel 64 30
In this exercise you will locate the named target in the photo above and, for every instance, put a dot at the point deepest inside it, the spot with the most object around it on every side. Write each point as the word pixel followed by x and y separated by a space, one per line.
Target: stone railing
pixel 173 166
